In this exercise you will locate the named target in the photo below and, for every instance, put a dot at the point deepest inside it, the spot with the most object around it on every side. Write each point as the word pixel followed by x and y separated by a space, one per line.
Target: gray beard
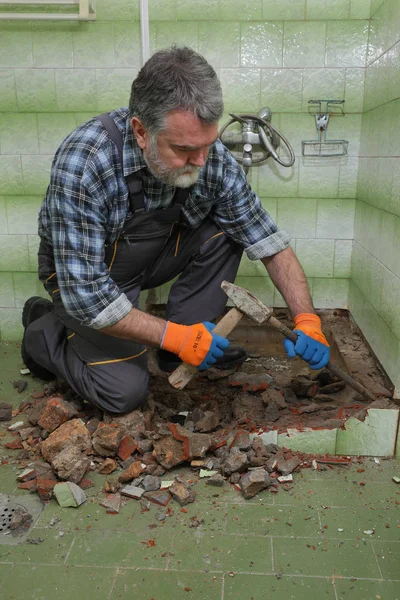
pixel 176 178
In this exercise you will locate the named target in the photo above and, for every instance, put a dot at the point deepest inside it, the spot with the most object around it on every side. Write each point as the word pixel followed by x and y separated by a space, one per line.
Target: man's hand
pixel 311 345
pixel 194 344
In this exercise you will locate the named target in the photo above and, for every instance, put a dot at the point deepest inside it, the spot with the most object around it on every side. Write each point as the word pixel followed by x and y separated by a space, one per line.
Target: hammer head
pixel 246 302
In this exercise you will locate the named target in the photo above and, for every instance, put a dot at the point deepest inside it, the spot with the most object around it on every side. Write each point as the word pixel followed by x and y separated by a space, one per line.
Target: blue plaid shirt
pixel 87 203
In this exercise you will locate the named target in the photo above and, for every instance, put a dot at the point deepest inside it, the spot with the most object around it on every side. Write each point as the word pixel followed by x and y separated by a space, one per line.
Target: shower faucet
pixel 255 130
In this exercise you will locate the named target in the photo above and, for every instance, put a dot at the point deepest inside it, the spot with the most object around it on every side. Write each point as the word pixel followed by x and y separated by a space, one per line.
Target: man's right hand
pixel 194 344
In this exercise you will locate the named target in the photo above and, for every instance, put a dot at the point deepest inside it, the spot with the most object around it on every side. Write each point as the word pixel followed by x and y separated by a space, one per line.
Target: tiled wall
pixel 375 287
pixel 282 54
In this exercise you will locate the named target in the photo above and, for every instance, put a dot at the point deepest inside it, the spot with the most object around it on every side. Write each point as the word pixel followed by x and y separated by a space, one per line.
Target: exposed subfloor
pixel 335 534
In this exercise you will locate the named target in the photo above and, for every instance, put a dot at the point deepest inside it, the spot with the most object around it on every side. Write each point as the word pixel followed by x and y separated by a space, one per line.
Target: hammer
pixel 247 304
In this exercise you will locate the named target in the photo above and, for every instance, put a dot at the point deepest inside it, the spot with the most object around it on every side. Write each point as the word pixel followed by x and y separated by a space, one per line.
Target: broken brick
pixel 161 497
pixel 28 485
pixel 127 447
pixel 70 464
pixel 71 433
pixel 15 445
pixel 108 466
pixel 133 471
pixel 241 440
pixel 112 502
pixel 235 463
pixel 250 382
pixel 112 485
pixel 5 411
pixel 55 413
pixel 254 482
pixel 182 492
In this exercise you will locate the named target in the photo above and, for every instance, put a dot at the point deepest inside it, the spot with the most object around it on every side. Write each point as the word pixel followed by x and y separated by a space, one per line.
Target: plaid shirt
pixel 86 205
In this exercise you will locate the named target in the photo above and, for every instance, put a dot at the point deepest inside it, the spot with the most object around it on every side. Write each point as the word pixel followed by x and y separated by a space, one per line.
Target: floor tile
pixel 261 587
pixel 63 583
pixel 8 478
pixel 326 558
pixel 195 551
pixel 161 585
pixel 322 492
pixel 381 496
pixel 120 548
pixel 367 590
pixel 388 555
pixel 353 523
pixel 274 520
pixel 53 549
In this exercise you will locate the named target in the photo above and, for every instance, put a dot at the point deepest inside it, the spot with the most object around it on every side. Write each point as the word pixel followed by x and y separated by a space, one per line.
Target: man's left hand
pixel 311 345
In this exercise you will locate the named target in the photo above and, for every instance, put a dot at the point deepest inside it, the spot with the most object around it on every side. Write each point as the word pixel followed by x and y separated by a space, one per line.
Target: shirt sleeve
pixel 78 223
pixel 240 214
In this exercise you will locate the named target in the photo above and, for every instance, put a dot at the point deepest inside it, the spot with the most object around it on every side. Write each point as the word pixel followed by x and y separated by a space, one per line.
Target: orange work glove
pixel 194 344
pixel 311 345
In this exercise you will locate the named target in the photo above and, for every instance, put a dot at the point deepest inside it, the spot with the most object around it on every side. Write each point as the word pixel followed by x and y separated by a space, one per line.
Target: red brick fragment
pixel 127 447
pixel 28 485
pixel 108 466
pixel 133 471
pixel 15 445
pixel 55 413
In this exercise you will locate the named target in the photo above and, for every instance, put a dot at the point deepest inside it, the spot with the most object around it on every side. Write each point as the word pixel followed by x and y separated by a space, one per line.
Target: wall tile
pixel 342 259
pixel 22 213
pixel 219 43
pixel 395 195
pixel 376 436
pixel 25 286
pixel 354 90
pixel 327 9
pixel 316 256
pixel 335 219
pixel 11 175
pixel 346 43
pixel 276 181
pixel 319 177
pixel 297 216
pixel 8 91
pixel 18 133
pixel 390 302
pixel 128 51
pixel 52 44
pixel 94 45
pixel 113 88
pixel 251 268
pixel 304 44
pixel 36 173
pixel 181 33
pixel 284 9
pixel 75 89
pixel 296 128
pixel 261 44
pixel 360 9
pixel 53 128
pixel 330 293
pixel 348 170
pixel 7 297
pixel 261 287
pixel 14 253
pixel 316 441
pixel 124 10
pixel 321 84
pixel 201 9
pixel 3 216
pixel 36 90
pixel 10 324
pixel 245 10
pixel 15 44
pixel 281 89
pixel 241 89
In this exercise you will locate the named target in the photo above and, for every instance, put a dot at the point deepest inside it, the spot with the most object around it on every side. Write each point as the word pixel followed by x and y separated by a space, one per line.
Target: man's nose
pixel 198 157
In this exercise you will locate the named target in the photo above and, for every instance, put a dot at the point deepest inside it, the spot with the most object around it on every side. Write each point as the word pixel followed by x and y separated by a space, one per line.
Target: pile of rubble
pixel 63 439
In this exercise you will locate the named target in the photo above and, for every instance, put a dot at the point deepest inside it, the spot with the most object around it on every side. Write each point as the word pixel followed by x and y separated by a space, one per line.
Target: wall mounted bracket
pixel 323 146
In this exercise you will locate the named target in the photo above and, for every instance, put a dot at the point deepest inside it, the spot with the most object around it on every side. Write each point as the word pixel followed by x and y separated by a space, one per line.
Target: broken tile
pixel 376 436
pixel 112 503
pixel 69 494
pixel 132 491
pixel 318 441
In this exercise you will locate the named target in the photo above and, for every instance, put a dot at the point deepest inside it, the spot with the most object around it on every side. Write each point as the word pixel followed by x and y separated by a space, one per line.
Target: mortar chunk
pixel 236 462
pixel 182 492
pixel 254 482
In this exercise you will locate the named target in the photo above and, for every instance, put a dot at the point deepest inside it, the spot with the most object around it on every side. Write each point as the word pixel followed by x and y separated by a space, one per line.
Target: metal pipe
pixel 145 30
pixel 38 2
pixel 38 17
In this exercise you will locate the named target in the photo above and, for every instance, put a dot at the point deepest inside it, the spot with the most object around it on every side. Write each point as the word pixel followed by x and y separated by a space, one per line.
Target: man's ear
pixel 141 133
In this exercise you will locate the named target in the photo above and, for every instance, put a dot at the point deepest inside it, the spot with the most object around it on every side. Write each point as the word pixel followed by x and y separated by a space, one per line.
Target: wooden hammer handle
pixel 185 372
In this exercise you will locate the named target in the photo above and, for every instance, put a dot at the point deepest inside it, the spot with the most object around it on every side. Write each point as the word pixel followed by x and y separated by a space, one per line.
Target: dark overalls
pixel 153 248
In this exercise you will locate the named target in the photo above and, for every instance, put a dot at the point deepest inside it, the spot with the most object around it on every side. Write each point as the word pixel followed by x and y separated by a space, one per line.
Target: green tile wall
pixel 55 75
pixel 375 274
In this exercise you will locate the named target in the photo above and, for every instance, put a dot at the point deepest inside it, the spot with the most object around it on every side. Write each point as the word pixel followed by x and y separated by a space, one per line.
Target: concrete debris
pixel 69 494
pixel 20 385
pixel 107 466
pixel 161 497
pixel 288 466
pixel 151 483
pixel 19 517
pixel 182 492
pixel 5 411
pixel 30 432
pixel 273 395
pixel 112 485
pixel 236 462
pixel 133 471
pixel 168 452
pixel 248 408
pixel 70 464
pixel 205 420
pixel 250 382
pixel 290 396
pixel 254 482
pixel 72 433
pixel 216 480
pixel 112 503
pixel 133 423
pixel 241 440
pixel 272 412
pixel 106 439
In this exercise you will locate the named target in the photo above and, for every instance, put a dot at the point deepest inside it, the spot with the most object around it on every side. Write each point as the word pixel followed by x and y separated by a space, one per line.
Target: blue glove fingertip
pixel 289 347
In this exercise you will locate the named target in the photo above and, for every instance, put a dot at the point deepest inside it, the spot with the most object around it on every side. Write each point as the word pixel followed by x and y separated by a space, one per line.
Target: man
pixel 137 198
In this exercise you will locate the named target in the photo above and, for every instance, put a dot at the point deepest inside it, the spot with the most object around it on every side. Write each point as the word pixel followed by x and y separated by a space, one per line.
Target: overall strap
pixel 181 195
pixel 134 181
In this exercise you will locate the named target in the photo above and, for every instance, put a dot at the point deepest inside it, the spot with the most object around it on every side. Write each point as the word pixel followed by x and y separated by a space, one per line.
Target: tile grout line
pixel 113 583
pixel 334 587
pixel 376 558
pixel 70 548
pixel 170 552
pixel 272 555
pixel 223 587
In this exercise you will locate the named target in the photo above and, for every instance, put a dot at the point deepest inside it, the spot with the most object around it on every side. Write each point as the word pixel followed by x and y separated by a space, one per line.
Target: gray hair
pixel 173 79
